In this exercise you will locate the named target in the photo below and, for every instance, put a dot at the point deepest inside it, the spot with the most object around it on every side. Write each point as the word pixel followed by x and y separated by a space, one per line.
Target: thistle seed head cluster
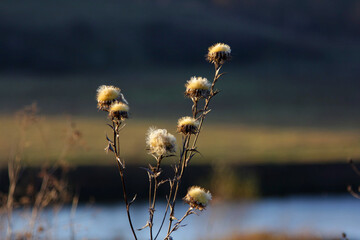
pixel 110 99
pixel 197 197
pixel 187 125
pixel 160 142
pixel 219 53
pixel 106 95
pixel 119 111
pixel 197 87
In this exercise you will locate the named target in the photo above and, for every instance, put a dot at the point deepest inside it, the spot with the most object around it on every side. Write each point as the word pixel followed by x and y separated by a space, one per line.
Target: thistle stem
pixel 176 226
pixel 178 179
pixel 152 208
pixel 126 200
pixel 116 145
pixel 185 158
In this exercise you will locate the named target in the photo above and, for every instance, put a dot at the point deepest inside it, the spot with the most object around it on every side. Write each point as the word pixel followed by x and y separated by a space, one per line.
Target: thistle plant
pixel 161 144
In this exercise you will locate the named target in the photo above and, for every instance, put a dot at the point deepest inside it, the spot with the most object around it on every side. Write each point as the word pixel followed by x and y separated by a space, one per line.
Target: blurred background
pixel 274 149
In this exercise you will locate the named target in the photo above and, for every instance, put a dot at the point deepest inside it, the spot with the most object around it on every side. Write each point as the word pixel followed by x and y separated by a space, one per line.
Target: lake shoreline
pixel 102 183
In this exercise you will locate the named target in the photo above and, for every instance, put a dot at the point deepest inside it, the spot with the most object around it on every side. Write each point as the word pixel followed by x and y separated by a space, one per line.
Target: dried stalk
pixel 26 118
pixel 116 127
pixel 187 153
pixel 177 224
pixel 155 175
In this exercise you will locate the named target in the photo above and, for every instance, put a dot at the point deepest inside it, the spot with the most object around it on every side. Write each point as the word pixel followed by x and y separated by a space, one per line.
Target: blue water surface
pixel 322 216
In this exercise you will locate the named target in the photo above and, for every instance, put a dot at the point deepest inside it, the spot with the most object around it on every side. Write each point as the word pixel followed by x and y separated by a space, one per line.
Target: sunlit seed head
pixel 219 47
pixel 118 110
pixel 197 197
pixel 187 125
pixel 107 93
pixel 197 87
pixel 219 53
pixel 160 142
pixel 119 107
pixel 198 83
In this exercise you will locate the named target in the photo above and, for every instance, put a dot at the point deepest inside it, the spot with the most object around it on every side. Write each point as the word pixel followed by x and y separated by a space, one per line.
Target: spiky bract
pixel 187 125
pixel 119 111
pixel 197 87
pixel 219 53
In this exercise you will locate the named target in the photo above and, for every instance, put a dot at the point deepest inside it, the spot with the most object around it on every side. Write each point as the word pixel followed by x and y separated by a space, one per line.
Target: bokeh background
pixel 285 123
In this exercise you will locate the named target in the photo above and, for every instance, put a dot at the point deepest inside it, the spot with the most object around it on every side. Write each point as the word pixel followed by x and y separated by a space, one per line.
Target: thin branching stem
pixel 177 178
pixel 177 224
pixel 126 200
pixel 166 209
pixel 152 208
pixel 207 102
pixel 116 145
pixel 186 156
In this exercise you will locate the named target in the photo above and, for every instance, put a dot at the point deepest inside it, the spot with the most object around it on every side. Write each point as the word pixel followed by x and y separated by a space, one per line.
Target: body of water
pixel 322 216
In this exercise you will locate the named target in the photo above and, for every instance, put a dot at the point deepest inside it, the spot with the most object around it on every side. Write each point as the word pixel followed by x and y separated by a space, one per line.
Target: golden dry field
pixel 228 142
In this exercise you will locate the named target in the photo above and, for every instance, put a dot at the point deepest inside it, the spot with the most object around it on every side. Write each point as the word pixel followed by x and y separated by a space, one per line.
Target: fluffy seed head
pixel 118 110
pixel 106 95
pixel 197 87
pixel 160 142
pixel 219 53
pixel 197 197
pixel 187 125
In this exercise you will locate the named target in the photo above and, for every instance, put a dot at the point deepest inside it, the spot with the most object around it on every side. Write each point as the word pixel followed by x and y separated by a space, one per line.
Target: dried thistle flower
pixel 187 125
pixel 197 87
pixel 219 53
pixel 118 110
pixel 160 142
pixel 107 95
pixel 197 197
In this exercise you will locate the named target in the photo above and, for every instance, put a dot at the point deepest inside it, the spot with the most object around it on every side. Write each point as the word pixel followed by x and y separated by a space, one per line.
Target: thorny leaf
pixel 151 210
pixel 107 138
pixel 355 195
pixel 109 148
pixel 146 225
pixel 171 183
pixel 176 228
pixel 119 129
pixel 123 99
pixel 121 163
pixel 183 225
pixel 133 200
pixel 152 168
pixel 162 182
pixel 157 174
pixel 219 75
pixel 203 113
pixel 206 112
pixel 193 150
pixel 215 92
pixel 148 170
pixel 189 159
pixel 183 147
pixel 194 212
pixel 149 175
